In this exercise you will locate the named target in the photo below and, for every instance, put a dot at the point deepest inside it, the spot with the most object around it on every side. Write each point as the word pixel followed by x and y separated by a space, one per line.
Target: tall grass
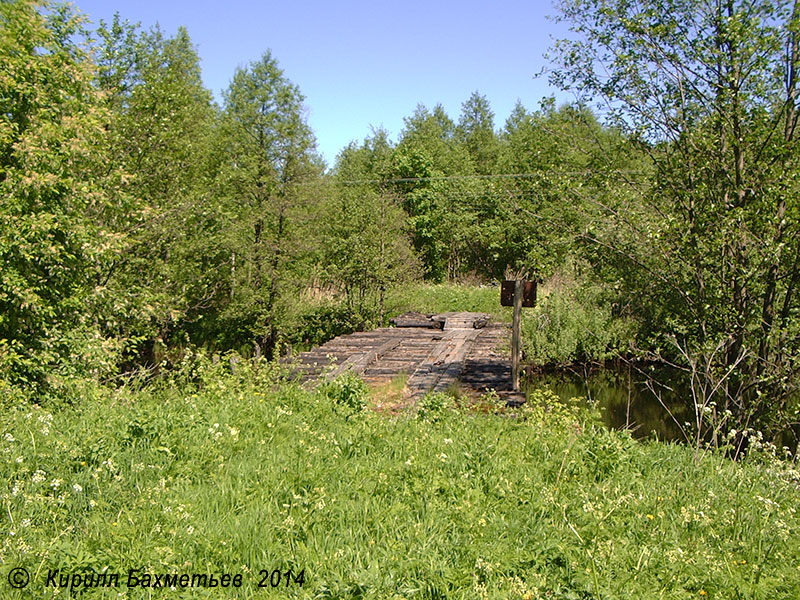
pixel 447 297
pixel 218 473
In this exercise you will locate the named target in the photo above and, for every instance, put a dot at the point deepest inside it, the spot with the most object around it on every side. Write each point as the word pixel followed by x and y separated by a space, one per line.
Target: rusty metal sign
pixel 528 293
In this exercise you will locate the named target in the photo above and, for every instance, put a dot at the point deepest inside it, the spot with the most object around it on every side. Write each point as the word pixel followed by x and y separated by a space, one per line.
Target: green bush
pixel 432 405
pixel 315 325
pixel 348 391
pixel 566 327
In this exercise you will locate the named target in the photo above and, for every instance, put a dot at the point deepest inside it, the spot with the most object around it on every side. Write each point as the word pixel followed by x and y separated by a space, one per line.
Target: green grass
pixel 221 474
pixel 446 297
pixel 315 321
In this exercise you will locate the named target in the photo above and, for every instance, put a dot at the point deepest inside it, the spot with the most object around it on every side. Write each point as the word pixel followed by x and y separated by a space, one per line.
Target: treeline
pixel 139 217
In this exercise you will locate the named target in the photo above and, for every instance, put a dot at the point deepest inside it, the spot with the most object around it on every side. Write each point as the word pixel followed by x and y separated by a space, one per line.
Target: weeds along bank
pixel 212 473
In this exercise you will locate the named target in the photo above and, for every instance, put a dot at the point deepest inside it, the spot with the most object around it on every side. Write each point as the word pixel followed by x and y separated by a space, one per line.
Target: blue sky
pixel 367 64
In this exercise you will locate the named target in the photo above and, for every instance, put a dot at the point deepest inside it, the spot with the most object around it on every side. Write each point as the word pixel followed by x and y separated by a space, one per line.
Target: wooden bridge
pixel 462 350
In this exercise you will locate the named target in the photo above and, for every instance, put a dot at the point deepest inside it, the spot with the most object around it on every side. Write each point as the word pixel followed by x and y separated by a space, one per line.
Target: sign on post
pixel 528 293
pixel 517 293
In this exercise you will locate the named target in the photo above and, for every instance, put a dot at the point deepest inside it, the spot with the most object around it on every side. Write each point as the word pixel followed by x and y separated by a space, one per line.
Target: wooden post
pixel 516 334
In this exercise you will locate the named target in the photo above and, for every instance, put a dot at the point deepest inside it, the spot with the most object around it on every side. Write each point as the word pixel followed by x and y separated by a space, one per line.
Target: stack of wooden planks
pixel 436 352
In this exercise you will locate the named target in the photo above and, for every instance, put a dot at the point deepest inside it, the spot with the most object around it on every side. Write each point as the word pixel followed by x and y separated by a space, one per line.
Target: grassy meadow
pixel 447 297
pixel 157 246
pixel 208 472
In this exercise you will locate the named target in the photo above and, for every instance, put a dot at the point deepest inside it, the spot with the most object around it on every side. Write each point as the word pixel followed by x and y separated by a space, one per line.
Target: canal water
pixel 649 401
pixel 653 402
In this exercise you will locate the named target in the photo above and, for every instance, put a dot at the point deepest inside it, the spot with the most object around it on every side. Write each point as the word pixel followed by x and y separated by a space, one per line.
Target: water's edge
pixel 650 400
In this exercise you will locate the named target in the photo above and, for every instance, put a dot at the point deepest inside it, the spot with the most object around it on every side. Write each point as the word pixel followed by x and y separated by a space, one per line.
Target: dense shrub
pixel 316 324
pixel 347 391
pixel 569 325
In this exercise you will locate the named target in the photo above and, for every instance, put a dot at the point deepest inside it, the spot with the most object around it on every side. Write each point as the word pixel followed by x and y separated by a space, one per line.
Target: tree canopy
pixel 139 218
pixel 708 91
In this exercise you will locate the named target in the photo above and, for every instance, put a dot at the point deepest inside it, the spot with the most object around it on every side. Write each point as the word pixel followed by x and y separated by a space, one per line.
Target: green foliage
pixel 266 151
pixel 476 132
pixel 704 244
pixel 54 185
pixel 347 391
pixel 365 248
pixel 427 151
pixel 480 202
pixel 162 119
pixel 431 406
pixel 571 325
pixel 235 474
pixel 571 161
pixel 316 324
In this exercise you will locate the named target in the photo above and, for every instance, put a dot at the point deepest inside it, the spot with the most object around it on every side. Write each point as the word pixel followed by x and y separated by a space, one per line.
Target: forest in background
pixel 138 218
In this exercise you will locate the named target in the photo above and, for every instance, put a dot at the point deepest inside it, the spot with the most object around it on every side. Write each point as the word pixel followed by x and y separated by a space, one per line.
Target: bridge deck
pixel 468 352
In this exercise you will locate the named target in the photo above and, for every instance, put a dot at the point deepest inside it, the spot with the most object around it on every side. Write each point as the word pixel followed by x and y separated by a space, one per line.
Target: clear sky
pixel 363 64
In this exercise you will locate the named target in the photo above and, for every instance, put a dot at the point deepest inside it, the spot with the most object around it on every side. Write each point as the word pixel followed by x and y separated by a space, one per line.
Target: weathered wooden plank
pixel 462 320
pixel 463 353
pixel 385 373
pixel 455 362
pixel 444 364
pixel 359 362
pixel 415 319
pixel 398 360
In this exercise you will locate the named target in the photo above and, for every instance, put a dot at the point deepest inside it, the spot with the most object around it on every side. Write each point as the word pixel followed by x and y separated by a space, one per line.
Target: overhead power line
pixel 584 173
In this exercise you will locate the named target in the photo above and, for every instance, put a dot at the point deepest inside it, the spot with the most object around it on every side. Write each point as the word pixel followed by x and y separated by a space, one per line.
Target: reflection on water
pixel 624 399
pixel 656 410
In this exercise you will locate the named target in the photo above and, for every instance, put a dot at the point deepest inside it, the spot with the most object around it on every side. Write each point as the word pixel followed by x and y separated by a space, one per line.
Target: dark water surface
pixel 653 402
pixel 625 399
